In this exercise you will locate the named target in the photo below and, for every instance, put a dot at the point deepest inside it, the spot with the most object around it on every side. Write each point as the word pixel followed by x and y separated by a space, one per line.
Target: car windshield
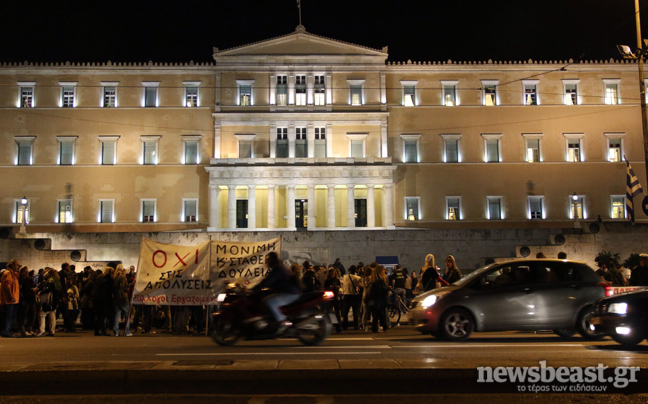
pixel 474 274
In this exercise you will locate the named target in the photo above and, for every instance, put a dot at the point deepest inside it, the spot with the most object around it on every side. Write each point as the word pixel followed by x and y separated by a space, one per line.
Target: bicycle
pixel 395 309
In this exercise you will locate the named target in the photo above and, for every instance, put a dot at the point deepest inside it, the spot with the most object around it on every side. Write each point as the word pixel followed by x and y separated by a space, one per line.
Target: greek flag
pixel 633 188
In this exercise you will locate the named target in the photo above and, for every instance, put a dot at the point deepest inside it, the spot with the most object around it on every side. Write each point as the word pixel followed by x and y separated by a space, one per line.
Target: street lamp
pixel 23 222
pixel 641 52
pixel 575 199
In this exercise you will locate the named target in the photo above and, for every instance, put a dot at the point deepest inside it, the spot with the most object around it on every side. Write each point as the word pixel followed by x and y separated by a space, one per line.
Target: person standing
pixel 351 295
pixel 27 303
pixel 121 302
pixel 102 300
pixel 378 298
pixel 429 275
pixel 10 296
pixel 50 291
pixel 639 276
pixel 452 273
pixel 338 265
pixel 398 280
pixel 332 283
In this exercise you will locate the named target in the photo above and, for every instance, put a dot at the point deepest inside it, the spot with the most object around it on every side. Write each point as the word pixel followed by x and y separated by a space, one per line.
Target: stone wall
pixel 471 248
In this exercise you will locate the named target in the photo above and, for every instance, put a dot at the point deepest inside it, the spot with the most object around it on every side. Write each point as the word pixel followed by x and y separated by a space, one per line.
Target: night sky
pixel 420 30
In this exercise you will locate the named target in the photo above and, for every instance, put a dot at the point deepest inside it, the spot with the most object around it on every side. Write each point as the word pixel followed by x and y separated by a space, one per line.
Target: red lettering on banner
pixel 181 259
pixel 153 259
pixel 196 256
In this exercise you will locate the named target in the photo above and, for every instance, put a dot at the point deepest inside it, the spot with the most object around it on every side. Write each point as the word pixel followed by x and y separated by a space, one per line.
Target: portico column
pixel 214 214
pixel 273 141
pixel 311 207
pixel 217 141
pixel 350 206
pixel 271 207
pixel 251 207
pixel 330 208
pixel 291 141
pixel 290 204
pixel 310 140
pixel 388 209
pixel 371 207
pixel 231 207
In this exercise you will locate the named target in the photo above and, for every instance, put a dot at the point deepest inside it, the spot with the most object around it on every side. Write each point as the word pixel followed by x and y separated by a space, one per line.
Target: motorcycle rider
pixel 285 290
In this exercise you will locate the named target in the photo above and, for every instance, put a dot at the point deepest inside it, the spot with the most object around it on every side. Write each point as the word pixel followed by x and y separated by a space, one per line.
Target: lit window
pixel 532 143
pixel 615 146
pixel 282 91
pixel 356 96
pixel 536 207
pixel 320 90
pixel 25 148
pixel 150 93
pixel 574 150
pixel 282 143
pixel 453 207
pixel 191 153
pixel 409 93
pixel 577 207
pixel 245 92
pixel 530 92
pixel 412 207
pixel 191 96
pixel 494 207
pixel 109 99
pixel 489 92
pixel 148 210
pixel 245 146
pixel 301 143
pixel 300 90
pixel 410 148
pixel 451 148
pixel 492 148
pixel 106 211
pixel 320 142
pixel 618 206
pixel 64 209
pixel 27 97
pixel 22 212
pixel 66 150
pixel 571 91
pixel 357 145
pixel 150 149
pixel 611 91
pixel 449 93
pixel 190 210
pixel 67 94
pixel 108 150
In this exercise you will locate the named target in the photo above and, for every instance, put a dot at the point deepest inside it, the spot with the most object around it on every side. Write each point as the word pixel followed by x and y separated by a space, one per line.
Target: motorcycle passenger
pixel 285 290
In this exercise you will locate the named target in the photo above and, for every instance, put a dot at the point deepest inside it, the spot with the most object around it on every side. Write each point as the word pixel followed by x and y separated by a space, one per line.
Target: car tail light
pixel 328 295
pixel 609 291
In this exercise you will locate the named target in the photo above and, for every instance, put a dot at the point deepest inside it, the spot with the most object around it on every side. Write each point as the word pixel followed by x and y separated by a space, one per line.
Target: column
pixel 310 85
pixel 383 91
pixel 350 206
pixel 291 89
pixel 371 207
pixel 214 213
pixel 310 139
pixel 271 207
pixel 217 141
pixel 291 140
pixel 273 141
pixel 388 209
pixel 329 140
pixel 290 204
pixel 252 207
pixel 273 91
pixel 383 140
pixel 330 208
pixel 311 207
pixel 231 207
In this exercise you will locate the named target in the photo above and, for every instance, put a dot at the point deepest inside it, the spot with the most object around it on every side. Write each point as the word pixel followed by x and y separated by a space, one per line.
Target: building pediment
pixel 300 45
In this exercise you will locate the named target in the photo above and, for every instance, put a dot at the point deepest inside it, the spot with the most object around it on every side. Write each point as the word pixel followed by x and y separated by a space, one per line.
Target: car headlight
pixel 618 308
pixel 221 297
pixel 428 301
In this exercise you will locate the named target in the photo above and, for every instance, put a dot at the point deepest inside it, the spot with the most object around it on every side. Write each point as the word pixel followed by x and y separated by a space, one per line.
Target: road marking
pixel 266 353
pixel 351 339
pixel 522 345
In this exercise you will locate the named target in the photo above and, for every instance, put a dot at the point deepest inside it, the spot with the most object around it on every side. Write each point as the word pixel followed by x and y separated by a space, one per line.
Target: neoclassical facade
pixel 303 132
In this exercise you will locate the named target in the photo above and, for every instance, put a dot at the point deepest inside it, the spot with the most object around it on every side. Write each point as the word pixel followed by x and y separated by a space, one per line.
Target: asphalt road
pixel 401 344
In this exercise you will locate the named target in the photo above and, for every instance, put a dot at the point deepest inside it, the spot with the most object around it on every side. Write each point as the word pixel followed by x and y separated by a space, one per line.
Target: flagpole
pixel 642 85
pixel 299 8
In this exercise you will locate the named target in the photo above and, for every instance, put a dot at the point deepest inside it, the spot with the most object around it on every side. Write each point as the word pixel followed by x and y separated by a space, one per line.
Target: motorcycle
pixel 243 315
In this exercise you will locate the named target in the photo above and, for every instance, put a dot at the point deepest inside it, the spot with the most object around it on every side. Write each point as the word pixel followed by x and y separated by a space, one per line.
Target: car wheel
pixel 456 325
pixel 584 326
pixel 565 332
pixel 629 340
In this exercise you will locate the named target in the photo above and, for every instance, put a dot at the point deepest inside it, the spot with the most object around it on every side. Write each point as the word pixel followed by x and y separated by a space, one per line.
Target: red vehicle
pixel 242 315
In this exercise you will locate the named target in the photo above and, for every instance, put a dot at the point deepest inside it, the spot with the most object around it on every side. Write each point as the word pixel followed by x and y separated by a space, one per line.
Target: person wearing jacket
pixel 10 296
pixel 285 290
pixel 452 273
pixel 429 275
pixel 49 295
pixel 27 305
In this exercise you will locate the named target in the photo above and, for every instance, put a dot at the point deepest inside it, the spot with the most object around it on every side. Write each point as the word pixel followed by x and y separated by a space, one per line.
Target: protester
pixel 102 300
pixel 639 276
pixel 121 301
pixel 398 281
pixel 452 273
pixel 10 296
pixel 27 303
pixel 338 265
pixel 616 276
pixel 429 275
pixel 332 283
pixel 378 298
pixel 49 295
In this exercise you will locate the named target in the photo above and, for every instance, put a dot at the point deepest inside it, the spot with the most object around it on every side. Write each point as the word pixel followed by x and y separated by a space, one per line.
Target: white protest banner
pixel 174 275
pixel 241 262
